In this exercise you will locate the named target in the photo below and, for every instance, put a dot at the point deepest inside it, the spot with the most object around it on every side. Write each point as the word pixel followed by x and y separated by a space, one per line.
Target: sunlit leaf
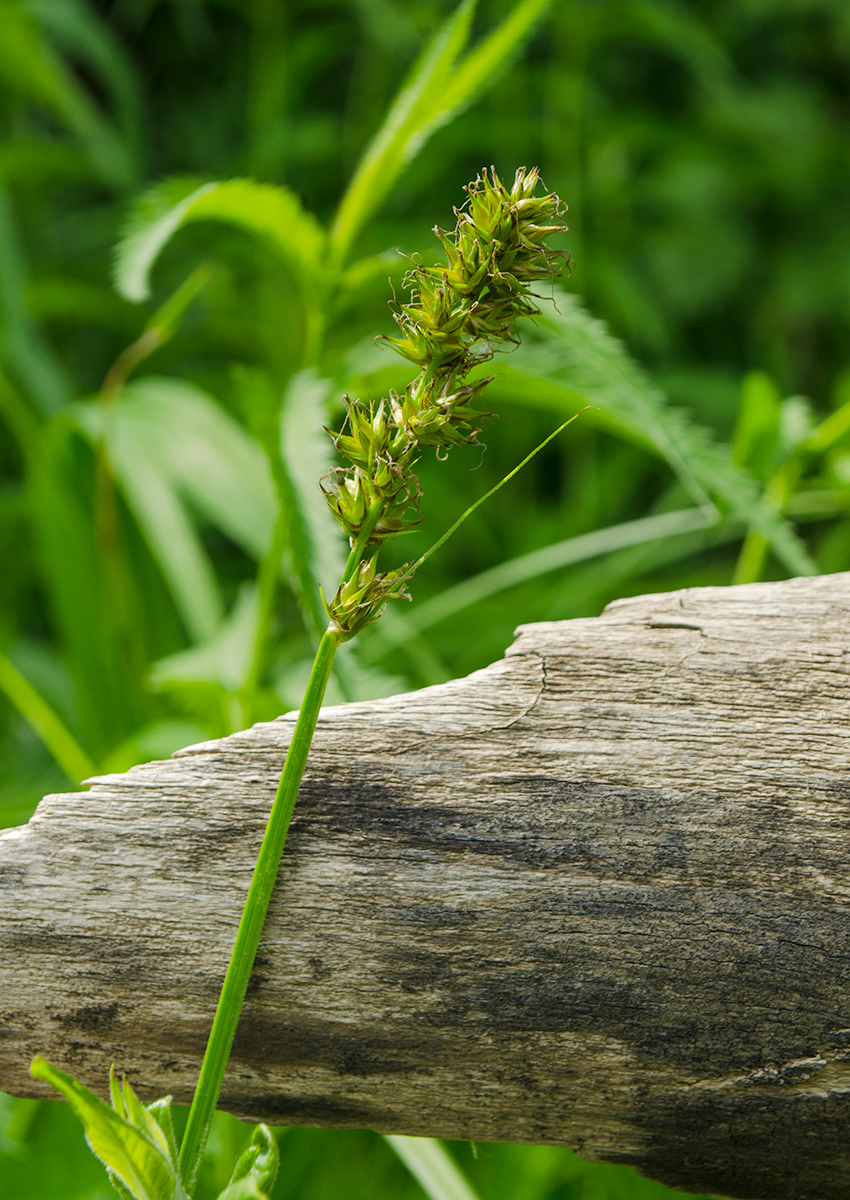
pixel 270 212
pixel 259 1162
pixel 139 1164
pixel 403 130
pixel 436 90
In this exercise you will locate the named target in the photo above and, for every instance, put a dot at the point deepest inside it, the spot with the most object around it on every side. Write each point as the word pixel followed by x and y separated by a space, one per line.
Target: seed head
pixel 455 318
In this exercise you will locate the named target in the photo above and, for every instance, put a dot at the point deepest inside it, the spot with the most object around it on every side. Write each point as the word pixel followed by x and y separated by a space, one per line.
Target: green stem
pixel 366 531
pixel 35 710
pixel 253 917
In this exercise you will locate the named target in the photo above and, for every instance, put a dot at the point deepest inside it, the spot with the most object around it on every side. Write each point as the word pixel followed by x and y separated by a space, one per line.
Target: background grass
pixel 703 149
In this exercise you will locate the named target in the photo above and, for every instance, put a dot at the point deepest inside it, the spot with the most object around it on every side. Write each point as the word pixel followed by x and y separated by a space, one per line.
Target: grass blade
pixel 29 67
pixel 35 710
pixel 27 354
pixel 432 1167
pixel 481 64
pixel 530 566
pixel 403 130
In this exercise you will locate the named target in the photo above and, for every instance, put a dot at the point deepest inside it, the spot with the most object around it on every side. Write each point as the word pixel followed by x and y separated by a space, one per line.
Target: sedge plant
pixel 458 313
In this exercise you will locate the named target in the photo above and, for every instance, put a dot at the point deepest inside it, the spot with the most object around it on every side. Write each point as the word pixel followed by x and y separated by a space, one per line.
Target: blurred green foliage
pixel 160 528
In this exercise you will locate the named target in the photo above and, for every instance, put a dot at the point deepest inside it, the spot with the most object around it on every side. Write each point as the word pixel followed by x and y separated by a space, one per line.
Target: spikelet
pixel 456 317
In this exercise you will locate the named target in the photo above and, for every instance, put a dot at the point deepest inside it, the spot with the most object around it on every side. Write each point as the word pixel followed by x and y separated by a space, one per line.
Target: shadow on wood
pixel 596 894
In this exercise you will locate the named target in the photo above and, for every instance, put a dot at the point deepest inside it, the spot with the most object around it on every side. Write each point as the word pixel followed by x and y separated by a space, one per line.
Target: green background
pixel 703 149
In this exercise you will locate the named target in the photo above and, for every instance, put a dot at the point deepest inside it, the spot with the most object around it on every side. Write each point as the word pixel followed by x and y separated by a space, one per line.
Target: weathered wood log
pixel 596 894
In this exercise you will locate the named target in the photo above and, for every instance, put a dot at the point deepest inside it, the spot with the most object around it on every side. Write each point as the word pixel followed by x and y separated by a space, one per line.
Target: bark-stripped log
pixel 596 894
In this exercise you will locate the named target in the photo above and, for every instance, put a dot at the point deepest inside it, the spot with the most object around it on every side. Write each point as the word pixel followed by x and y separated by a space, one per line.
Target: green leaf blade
pixel 410 112
pixel 270 212
pixel 125 1150
pixel 260 1161
pixel 432 1167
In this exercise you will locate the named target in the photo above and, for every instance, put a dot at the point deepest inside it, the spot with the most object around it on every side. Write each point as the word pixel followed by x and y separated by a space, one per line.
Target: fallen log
pixel 596 894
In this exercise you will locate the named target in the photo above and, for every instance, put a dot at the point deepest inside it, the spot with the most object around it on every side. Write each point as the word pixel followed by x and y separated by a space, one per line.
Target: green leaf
pixel 569 359
pixel 434 92
pixel 754 438
pixel 270 212
pixel 244 1189
pixel 29 66
pixel 220 468
pixel 175 452
pixel 39 715
pixel 260 1161
pixel 403 130
pixel 139 1164
pixel 307 453
pixel 160 512
pixel 25 350
pixel 432 1167
pixel 224 659
pixel 480 66
pixel 531 566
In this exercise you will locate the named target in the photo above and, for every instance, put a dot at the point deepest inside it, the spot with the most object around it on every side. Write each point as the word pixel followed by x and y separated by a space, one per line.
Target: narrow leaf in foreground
pixel 140 1166
pixel 410 112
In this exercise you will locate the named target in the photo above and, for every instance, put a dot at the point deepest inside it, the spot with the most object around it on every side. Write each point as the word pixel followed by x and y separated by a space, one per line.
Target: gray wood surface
pixel 596 894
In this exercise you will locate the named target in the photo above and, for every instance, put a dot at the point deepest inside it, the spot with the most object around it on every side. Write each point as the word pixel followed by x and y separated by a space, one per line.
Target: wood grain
pixel 596 894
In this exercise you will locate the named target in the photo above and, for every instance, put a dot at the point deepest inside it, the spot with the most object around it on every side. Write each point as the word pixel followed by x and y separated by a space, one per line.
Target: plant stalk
pixel 253 917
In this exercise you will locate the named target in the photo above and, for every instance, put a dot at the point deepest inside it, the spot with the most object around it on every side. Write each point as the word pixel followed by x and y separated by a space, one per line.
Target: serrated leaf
pixel 271 212
pixel 308 453
pixel 126 1151
pixel 569 359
